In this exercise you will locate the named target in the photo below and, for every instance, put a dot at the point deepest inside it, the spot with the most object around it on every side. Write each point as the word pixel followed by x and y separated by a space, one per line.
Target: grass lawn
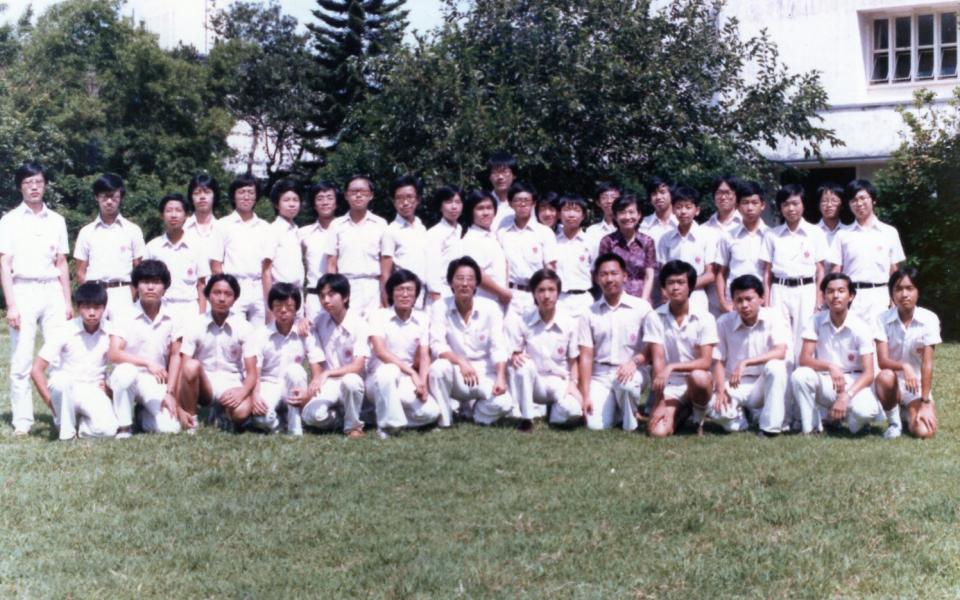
pixel 483 513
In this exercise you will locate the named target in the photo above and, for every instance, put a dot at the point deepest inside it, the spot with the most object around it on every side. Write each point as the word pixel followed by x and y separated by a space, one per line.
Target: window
pixel 918 47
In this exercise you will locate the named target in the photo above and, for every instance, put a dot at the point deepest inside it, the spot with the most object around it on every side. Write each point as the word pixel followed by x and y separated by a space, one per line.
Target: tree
pixel 581 90
pixel 919 193
pixel 348 38
pixel 259 67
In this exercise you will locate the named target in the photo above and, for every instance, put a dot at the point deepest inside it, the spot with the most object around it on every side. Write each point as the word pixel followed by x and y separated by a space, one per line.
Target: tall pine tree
pixel 347 35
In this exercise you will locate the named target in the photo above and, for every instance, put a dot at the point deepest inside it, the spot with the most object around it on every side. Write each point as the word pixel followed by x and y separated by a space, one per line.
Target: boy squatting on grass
pixel 252 372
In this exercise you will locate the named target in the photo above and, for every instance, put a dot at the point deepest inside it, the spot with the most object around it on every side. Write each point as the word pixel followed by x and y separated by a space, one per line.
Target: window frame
pixel 892 50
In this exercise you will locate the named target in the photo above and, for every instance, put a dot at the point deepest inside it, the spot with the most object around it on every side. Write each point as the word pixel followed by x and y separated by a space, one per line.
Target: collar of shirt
pixel 235 217
pixel 75 328
pixel 510 224
pixel 893 316
pixel 580 236
pixel 25 209
pixel 692 315
pixel 481 231
pixel 803 228
pixel 192 221
pixel 168 243
pixel 285 225
pixel 272 331
pixel 401 222
pixel 652 220
pixel 368 217
pixel 822 225
pixel 119 222
pixel 622 241
pixel 227 323
pixel 692 233
pixel 714 220
pixel 762 317
pixel 873 223
pixel 625 300
pixel 453 310
pixel 557 322
pixel 141 315
pixel 826 320
pixel 444 225
pixel 742 231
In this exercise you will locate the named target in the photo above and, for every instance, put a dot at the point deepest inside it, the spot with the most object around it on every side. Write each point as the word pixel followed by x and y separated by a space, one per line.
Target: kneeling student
pixel 341 334
pixel 397 375
pixel 145 349
pixel 545 349
pixel 612 354
pixel 681 338
pixel 906 337
pixel 219 358
pixel 835 375
pixel 76 389
pixel 749 368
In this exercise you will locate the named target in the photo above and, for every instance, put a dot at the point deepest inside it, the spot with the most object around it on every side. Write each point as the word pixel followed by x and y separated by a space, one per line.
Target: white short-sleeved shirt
pixel 187 262
pixel 34 240
pixel 841 346
pixel 614 332
pixel 906 344
pixel 480 340
pixel 316 242
pixel 597 232
pixel 504 212
pixel 342 343
pixel 285 253
pixel 793 254
pixel 575 258
pixel 729 227
pixel 698 247
pixel 484 247
pixel 81 355
pixel 277 352
pixel 680 342
pixel 406 243
pixel 866 252
pixel 357 245
pixel 740 251
pixel 549 345
pixel 220 348
pixel 830 233
pixel 240 245
pixel 402 338
pixel 528 249
pixel 738 341
pixel 206 235
pixel 443 245
pixel 109 250
pixel 655 228
pixel 146 338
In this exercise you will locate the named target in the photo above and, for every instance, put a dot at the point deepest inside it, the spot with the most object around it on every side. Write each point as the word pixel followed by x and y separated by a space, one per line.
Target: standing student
pixel 868 251
pixel 404 244
pixel 238 249
pixel 501 173
pixel 481 244
pixel 830 196
pixel 604 196
pixel 203 195
pixel 613 359
pixel 527 245
pixel 691 243
pixel 834 380
pixel 575 256
pixel 638 250
pixel 663 219
pixel 355 243
pixel 283 260
pixel 792 256
pixel 400 361
pixel 218 359
pixel 443 241
pixel 727 218
pixel 739 252
pixel 184 256
pixel 469 375
pixel 547 213
pixel 315 240
pixel 76 391
pixel 110 247
pixel 145 351
pixel 36 282
pixel 681 337
pixel 906 338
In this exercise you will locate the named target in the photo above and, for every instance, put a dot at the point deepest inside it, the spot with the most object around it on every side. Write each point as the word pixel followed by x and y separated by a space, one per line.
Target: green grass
pixel 483 513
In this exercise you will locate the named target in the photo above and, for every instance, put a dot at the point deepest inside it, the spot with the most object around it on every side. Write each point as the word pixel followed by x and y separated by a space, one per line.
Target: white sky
pixel 175 20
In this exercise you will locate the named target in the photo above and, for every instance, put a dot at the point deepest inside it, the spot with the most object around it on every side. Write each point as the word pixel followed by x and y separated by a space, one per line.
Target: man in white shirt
pixel 575 256
pixel 185 257
pixel 469 373
pixel 613 360
pixel 727 218
pixel 739 252
pixel 501 173
pixel 528 246
pixel 203 195
pixel 314 238
pixel 404 243
pixel 283 261
pixel 76 391
pixel 691 243
pixel 663 220
pixel 36 283
pixel 443 242
pixel 603 197
pixel 108 249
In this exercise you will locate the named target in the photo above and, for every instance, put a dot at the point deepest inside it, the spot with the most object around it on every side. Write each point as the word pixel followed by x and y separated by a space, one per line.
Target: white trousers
pixel 312 307
pixel 576 305
pixel 529 388
pixel 815 395
pixel 344 392
pixel 764 394
pixel 273 392
pixel 119 302
pixel 182 311
pixel 614 402
pixel 798 305
pixel 365 295
pixel 395 398
pixel 870 303
pixel 132 385
pixel 81 408
pixel 250 303
pixel 520 303
pixel 38 302
pixel 452 394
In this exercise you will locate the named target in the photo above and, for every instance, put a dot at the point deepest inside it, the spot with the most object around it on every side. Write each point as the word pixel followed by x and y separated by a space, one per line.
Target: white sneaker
pixel 124 435
pixel 892 432
pixel 382 434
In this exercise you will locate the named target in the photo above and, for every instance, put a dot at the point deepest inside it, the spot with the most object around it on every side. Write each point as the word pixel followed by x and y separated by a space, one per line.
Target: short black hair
pixel 281 291
pixel 788 191
pixel 726 178
pixel 373 189
pixel 860 185
pixel 835 276
pixel 519 187
pixel 606 186
pixel 28 169
pixel 906 271
pixel 746 282
pixel 463 261
pixel 242 181
pixel 218 277
pixel 445 193
pixel 205 181
pixel 685 193
pixel 151 270
pixel 322 186
pixel 92 293
pixel 406 181
pixel 572 199
pixel 608 257
pixel 337 283
pixel 502 159
pixel 623 203
pixel 475 198
pixel 280 188
pixel 399 277
pixel 678 267
pixel 176 197
pixel 657 181
pixel 109 182
pixel 747 188
pixel 545 274
pixel 830 187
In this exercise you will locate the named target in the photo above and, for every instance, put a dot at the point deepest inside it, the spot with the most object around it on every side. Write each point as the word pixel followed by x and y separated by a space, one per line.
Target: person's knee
pixel 775 368
pixel 190 370
pixel 440 368
pixel 351 383
pixel 886 381
pixel 804 378
pixel 123 376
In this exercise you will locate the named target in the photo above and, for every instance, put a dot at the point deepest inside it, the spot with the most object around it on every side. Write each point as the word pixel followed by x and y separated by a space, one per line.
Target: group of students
pixel 506 308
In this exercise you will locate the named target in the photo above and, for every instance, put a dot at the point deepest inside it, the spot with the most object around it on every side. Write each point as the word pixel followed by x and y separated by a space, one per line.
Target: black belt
pixel 519 286
pixel 113 284
pixel 576 291
pixel 793 281
pixel 864 285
